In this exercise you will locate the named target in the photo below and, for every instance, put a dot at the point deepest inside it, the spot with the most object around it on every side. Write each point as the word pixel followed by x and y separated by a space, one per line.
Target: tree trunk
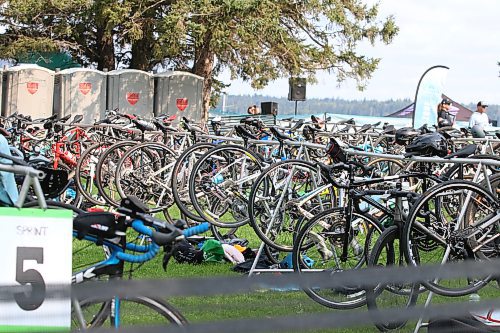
pixel 142 49
pixel 203 67
pixel 106 49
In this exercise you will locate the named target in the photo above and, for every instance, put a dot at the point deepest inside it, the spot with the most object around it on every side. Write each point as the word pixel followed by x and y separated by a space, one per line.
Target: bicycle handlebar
pixel 159 238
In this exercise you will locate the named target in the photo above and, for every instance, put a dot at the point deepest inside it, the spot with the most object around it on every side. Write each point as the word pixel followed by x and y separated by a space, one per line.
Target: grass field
pixel 257 305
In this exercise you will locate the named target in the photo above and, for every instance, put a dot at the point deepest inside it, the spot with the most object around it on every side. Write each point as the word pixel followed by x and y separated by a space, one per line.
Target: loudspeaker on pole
pixel 297 89
pixel 269 108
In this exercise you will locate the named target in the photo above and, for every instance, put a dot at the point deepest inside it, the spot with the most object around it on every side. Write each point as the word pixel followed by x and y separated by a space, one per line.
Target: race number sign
pixel 36 252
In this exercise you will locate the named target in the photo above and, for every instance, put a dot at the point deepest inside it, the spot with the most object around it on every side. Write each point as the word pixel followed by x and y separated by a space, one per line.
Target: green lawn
pixel 258 305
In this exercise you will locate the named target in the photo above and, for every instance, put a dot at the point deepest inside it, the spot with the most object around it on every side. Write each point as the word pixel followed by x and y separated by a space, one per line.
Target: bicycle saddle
pixel 191 128
pixel 133 204
pixel 242 132
pixel 64 119
pixel 278 135
pixel 162 127
pixel 464 152
pixel 144 125
pixel 77 119
pixel 297 125
pixel 347 121
pixel 389 129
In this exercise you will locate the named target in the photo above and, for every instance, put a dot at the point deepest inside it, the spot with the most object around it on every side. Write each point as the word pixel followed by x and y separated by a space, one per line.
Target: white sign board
pixel 36 251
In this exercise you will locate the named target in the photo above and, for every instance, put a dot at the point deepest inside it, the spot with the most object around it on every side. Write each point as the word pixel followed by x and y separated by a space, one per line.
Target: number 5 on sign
pixel 36 252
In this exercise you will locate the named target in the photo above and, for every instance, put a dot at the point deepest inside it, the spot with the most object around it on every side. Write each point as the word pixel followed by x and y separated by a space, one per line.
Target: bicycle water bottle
pixel 217 179
pixel 405 186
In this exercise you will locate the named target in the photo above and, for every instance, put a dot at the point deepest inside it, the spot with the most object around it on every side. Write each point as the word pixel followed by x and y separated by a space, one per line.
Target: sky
pixel 460 34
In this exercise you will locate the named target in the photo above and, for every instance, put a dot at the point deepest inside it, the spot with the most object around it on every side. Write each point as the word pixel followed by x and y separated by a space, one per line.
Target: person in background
pixel 253 110
pixel 479 121
pixel 445 119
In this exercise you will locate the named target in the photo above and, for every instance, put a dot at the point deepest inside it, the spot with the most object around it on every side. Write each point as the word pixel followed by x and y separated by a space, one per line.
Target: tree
pixel 104 34
pixel 257 40
pixel 263 40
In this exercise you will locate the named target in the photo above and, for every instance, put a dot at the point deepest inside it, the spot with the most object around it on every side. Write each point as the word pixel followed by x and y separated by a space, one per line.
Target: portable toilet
pixel 29 90
pixel 131 91
pixel 179 93
pixel 80 91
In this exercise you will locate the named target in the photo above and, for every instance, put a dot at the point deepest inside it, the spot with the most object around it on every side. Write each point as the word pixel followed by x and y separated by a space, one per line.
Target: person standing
pixel 445 119
pixel 253 110
pixel 479 120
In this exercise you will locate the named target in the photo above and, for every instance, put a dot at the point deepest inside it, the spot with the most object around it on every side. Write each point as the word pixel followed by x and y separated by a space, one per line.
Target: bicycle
pixel 103 228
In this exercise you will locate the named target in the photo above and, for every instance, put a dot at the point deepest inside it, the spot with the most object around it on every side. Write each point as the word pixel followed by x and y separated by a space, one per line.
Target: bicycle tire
pixel 281 234
pixel 101 173
pixel 186 157
pixel 235 198
pixel 83 162
pixel 416 237
pixel 152 157
pixel 408 294
pixel 319 245
pixel 162 312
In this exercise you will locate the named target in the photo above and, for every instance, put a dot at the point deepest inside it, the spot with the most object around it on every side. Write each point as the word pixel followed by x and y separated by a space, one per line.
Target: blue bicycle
pixel 103 228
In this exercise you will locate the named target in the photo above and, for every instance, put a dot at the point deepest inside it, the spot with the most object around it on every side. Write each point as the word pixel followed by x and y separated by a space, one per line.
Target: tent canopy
pixel 460 112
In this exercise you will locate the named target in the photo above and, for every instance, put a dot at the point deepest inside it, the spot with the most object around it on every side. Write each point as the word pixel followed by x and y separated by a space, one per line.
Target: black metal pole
pixel 296 107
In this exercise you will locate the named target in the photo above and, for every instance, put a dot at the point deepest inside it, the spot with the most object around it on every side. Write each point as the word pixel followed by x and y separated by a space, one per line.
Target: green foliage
pixel 256 40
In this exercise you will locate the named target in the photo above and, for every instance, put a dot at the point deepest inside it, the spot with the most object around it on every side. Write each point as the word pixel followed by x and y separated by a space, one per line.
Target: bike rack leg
pixel 256 260
pixel 78 311
pixel 420 322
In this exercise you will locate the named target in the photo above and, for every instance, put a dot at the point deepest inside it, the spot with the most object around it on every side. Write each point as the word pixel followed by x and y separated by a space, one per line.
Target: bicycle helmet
pixel 477 131
pixel 432 144
pixel 404 135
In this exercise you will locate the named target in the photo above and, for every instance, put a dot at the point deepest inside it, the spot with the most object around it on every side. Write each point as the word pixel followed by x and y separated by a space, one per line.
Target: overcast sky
pixel 461 34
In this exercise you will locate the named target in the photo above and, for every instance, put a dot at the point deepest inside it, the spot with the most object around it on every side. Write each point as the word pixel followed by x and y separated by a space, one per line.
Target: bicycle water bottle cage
pixel 132 205
pixel 101 225
pixel 334 150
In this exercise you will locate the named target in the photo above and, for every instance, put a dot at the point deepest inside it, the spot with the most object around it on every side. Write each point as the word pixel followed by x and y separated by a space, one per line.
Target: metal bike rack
pixel 32 177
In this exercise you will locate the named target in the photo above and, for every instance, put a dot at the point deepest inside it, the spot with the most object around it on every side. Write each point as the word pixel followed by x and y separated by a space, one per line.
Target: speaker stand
pixel 296 107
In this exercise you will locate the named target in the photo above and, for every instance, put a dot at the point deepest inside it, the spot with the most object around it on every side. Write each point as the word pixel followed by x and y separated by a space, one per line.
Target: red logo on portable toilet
pixel 132 98
pixel 182 103
pixel 85 87
pixel 32 87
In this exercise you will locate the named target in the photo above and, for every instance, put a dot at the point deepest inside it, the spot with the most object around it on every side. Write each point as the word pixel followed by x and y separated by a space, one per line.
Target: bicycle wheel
pixel 387 253
pixel 86 173
pixel 383 167
pixel 106 168
pixel 443 226
pixel 180 178
pixel 469 170
pixel 143 311
pixel 144 171
pixel 319 245
pixel 285 195
pixel 220 184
